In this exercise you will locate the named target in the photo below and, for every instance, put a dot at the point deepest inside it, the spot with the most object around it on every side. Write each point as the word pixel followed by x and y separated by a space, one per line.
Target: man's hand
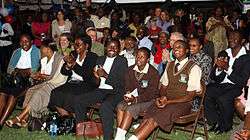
pixel 129 98
pixel 242 135
pixel 101 72
pixel 161 102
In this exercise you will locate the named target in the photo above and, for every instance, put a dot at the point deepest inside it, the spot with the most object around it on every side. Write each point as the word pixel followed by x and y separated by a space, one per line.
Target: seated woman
pixel 79 69
pixel 37 97
pixel 64 44
pixel 24 62
pixel 179 85
pixel 200 58
pixel 141 87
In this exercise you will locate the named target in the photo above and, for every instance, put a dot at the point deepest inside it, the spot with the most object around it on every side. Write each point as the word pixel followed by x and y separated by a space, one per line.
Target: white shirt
pixel 61 28
pixel 75 76
pixel 129 56
pixel 145 42
pixel 145 69
pixel 231 62
pixel 100 23
pixel 194 76
pixel 46 66
pixel 107 67
pixel 10 32
pixel 24 61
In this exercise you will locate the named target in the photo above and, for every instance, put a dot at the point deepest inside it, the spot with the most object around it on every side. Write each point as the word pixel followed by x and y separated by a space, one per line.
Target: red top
pixel 39 28
pixel 158 54
pixel 154 33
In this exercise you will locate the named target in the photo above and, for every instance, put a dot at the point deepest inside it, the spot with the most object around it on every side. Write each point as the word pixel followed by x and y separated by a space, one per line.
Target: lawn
pixel 23 134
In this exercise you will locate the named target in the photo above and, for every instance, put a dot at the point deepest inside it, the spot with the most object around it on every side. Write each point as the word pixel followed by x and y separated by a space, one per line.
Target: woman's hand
pixel 70 61
pixel 222 63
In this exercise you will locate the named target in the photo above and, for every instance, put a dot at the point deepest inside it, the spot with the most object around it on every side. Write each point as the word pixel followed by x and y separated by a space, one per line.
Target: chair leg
pixel 195 126
pixel 155 134
pixel 205 128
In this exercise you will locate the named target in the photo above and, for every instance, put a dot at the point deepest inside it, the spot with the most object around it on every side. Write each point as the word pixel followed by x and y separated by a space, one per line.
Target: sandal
pixel 15 121
pixel 23 123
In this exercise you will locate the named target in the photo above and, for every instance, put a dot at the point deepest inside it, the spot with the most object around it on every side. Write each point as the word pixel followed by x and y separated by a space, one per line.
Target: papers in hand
pixel 134 93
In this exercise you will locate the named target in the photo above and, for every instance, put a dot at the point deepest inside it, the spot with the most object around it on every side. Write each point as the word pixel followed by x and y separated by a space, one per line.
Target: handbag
pixel 90 129
pixel 35 124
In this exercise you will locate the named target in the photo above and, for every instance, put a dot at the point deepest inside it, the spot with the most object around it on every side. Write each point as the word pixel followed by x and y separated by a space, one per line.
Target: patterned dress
pixel 205 63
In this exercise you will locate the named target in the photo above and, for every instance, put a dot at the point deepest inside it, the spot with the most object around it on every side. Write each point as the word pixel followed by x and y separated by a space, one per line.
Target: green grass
pixel 23 134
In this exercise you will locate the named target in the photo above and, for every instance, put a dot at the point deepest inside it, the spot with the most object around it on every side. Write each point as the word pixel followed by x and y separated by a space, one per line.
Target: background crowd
pixel 130 62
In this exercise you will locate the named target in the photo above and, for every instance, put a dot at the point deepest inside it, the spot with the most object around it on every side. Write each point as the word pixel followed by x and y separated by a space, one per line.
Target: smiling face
pixel 141 59
pixel 64 42
pixel 25 42
pixel 194 46
pixel 163 39
pixel 180 50
pixel 130 44
pixel 80 46
pixel 112 49
pixel 234 40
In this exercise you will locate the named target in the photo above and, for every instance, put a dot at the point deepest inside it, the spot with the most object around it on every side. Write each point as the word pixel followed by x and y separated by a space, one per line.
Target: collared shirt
pixel 24 61
pixel 107 67
pixel 129 56
pixel 145 42
pixel 164 25
pixel 231 62
pixel 100 23
pixel 75 76
pixel 194 76
pixel 46 66
pixel 145 69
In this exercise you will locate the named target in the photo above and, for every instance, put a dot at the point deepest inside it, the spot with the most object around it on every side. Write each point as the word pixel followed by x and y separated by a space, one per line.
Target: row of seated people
pixel 72 86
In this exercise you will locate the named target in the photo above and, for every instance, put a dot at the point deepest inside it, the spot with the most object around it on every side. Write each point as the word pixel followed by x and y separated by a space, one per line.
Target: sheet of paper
pixel 134 92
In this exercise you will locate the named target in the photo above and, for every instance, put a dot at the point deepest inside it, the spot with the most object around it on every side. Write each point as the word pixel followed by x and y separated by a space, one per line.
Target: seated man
pixel 219 99
pixel 179 85
pixel 109 74
pixel 141 87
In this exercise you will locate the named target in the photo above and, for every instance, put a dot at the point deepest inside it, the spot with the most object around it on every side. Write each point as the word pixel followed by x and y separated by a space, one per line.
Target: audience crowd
pixel 131 64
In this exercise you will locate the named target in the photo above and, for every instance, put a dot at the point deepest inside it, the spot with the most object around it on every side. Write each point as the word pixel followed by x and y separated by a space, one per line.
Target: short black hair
pixel 145 50
pixel 48 44
pixel 25 35
pixel 112 40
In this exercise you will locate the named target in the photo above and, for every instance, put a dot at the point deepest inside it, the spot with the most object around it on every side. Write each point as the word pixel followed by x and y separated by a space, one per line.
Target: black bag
pixel 65 125
pixel 35 124
pixel 16 81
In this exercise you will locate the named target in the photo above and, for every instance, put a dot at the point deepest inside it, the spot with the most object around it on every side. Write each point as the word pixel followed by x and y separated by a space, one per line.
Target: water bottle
pixel 53 127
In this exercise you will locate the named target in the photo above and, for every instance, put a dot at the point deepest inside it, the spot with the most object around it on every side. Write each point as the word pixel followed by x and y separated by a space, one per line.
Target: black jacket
pixel 116 75
pixel 85 71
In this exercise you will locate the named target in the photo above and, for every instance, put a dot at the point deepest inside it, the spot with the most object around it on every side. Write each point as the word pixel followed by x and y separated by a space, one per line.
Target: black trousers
pixel 109 100
pixel 219 104
pixel 5 54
